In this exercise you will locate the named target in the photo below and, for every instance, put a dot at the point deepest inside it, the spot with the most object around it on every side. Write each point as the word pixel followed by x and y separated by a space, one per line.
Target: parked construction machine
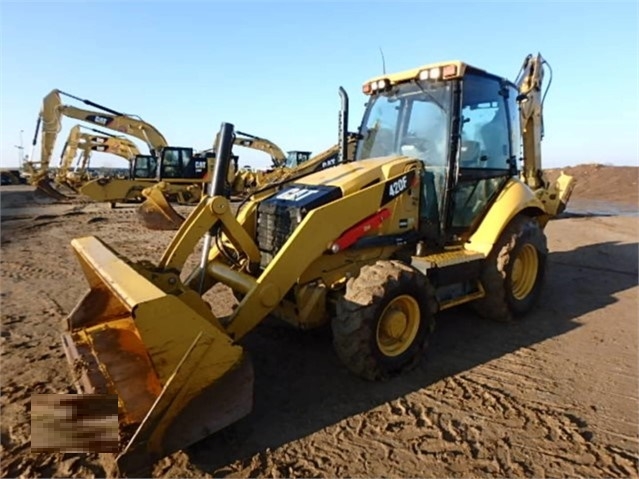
pixel 87 143
pixel 160 215
pixel 157 213
pixel 444 203
pixel 181 162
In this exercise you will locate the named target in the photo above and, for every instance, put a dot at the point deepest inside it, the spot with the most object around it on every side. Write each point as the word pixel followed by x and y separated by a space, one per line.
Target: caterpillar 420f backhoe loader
pixel 433 212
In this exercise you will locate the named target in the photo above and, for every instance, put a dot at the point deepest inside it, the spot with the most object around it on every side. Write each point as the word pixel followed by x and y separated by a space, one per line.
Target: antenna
pixel 383 61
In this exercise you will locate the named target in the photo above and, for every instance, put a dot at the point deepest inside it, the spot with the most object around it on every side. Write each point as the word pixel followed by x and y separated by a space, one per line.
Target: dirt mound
pixel 618 184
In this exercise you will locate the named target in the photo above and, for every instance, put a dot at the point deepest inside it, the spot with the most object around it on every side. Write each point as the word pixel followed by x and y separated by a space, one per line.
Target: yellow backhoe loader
pixel 432 212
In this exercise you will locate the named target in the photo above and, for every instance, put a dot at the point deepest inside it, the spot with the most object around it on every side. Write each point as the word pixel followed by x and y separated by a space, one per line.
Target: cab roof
pixel 459 69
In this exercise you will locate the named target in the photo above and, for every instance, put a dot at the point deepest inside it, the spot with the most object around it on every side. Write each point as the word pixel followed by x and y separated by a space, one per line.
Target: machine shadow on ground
pixel 301 387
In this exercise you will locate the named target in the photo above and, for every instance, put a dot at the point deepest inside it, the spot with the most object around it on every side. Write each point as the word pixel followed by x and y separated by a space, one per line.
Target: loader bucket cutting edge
pixel 178 377
pixel 156 213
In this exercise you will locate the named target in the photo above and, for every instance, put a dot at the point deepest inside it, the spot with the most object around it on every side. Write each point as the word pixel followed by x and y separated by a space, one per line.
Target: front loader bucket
pixel 156 213
pixel 45 186
pixel 178 376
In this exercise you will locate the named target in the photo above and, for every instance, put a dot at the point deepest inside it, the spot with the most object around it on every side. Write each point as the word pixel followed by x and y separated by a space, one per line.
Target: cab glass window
pixel 485 135
pixel 171 164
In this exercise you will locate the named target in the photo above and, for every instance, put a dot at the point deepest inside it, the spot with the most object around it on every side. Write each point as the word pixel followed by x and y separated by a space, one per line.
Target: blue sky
pixel 273 69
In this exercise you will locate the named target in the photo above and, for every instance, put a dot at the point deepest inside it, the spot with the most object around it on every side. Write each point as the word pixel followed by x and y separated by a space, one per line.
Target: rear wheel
pixel 513 273
pixel 384 320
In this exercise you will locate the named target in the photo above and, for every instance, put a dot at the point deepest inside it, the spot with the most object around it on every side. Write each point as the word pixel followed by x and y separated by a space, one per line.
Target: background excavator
pixel 49 124
pixel 160 215
pixel 181 169
pixel 247 178
pixel 104 143
pixel 86 143
pixel 167 174
pixel 433 211
pixel 157 213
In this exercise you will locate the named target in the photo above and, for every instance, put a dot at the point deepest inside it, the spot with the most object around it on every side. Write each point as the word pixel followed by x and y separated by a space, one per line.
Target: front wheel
pixel 513 273
pixel 384 320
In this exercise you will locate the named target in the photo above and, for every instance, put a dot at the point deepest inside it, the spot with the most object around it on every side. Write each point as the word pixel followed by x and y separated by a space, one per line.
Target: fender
pixel 514 198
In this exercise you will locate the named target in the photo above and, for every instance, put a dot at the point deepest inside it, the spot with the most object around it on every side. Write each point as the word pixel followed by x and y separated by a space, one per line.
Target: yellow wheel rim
pixel 398 325
pixel 524 272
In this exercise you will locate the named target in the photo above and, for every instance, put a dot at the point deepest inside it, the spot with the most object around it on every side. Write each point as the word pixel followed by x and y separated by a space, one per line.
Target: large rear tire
pixel 384 320
pixel 513 273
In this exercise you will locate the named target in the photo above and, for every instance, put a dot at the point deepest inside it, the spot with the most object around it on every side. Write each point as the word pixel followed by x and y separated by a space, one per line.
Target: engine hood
pixel 356 175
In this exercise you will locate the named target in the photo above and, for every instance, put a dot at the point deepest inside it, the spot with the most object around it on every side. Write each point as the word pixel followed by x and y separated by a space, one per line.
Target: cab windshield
pixel 412 119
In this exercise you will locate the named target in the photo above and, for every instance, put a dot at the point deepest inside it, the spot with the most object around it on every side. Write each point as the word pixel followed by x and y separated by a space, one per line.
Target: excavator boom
pixel 88 142
pixel 247 140
pixel 53 110
pixel 50 122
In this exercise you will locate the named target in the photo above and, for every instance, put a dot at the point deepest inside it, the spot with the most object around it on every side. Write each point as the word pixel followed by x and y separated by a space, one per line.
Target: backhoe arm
pixel 531 101
pixel 529 82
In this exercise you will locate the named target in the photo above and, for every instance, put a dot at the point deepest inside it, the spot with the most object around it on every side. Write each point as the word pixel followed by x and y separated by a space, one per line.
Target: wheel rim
pixel 398 325
pixel 524 272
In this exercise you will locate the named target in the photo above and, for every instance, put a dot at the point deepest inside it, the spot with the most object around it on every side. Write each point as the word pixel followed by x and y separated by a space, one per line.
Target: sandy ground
pixel 552 395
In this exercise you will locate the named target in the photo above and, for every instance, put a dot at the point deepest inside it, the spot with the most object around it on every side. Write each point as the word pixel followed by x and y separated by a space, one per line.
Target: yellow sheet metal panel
pixel 514 198
pixel 115 273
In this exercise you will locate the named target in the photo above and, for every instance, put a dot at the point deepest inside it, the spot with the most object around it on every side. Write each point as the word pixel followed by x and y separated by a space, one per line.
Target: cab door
pixel 176 163
pixel 487 152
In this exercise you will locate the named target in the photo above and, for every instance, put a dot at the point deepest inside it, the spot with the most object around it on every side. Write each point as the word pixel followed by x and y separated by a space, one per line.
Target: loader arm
pixel 309 242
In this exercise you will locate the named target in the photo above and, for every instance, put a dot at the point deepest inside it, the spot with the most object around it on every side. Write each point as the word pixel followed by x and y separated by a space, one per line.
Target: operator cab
pixel 144 167
pixel 179 162
pixel 462 123
pixel 295 158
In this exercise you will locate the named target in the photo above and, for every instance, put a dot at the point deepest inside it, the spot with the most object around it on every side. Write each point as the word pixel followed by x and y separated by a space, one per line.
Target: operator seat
pixel 494 136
